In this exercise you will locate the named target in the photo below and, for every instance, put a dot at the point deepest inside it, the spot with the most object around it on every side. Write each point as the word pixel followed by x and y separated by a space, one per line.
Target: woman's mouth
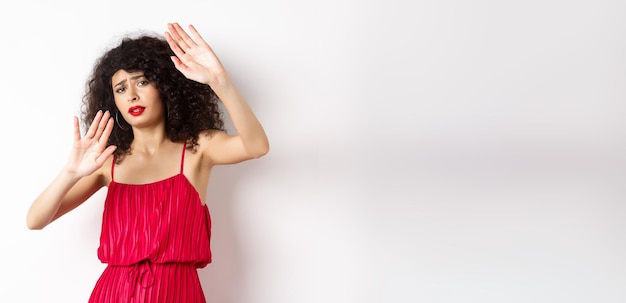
pixel 136 110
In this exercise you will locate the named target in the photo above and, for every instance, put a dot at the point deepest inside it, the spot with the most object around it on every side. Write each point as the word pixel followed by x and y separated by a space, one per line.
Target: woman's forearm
pixel 245 121
pixel 45 207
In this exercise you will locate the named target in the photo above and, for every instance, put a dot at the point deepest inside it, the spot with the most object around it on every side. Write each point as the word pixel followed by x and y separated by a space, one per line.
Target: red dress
pixel 154 238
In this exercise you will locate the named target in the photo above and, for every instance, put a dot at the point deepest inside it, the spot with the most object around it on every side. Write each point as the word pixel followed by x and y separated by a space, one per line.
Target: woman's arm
pixel 197 61
pixel 79 179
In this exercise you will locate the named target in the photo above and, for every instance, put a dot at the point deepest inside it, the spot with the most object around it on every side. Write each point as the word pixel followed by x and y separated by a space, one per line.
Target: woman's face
pixel 137 99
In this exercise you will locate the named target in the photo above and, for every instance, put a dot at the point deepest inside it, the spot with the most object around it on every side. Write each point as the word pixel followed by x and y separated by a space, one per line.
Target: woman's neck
pixel 148 141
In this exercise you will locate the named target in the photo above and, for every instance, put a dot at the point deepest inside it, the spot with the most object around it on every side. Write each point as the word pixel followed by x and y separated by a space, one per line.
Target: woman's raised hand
pixel 90 152
pixel 193 56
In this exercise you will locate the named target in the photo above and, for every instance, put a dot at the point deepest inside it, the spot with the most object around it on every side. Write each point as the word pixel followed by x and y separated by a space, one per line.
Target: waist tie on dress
pixel 141 274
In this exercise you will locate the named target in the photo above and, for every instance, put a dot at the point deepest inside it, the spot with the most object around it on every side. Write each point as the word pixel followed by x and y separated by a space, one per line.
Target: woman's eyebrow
pixel 132 78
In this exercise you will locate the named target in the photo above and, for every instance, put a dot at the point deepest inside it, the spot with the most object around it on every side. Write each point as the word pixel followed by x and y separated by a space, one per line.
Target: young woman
pixel 154 131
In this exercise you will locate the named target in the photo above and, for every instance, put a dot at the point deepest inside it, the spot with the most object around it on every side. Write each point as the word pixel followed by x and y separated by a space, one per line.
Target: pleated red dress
pixel 154 238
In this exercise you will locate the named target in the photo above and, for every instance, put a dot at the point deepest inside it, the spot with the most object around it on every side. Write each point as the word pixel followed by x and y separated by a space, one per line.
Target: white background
pixel 421 151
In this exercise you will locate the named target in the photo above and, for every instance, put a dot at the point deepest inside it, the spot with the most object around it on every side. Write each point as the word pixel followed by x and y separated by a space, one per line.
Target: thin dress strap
pixel 112 167
pixel 182 158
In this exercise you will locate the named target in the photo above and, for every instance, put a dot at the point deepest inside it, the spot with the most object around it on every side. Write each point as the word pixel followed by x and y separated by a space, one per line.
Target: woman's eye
pixel 142 82
pixel 120 90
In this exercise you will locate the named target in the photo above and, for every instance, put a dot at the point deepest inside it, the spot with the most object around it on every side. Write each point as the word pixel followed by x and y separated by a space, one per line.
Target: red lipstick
pixel 136 110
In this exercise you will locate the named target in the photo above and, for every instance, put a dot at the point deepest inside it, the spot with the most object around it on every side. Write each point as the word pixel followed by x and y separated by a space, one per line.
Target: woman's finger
pixel 102 124
pixel 105 154
pixel 94 125
pixel 173 45
pixel 106 133
pixel 185 37
pixel 198 37
pixel 76 129
pixel 177 33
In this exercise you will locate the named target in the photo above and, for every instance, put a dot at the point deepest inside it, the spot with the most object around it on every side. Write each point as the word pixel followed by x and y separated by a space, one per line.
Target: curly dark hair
pixel 190 107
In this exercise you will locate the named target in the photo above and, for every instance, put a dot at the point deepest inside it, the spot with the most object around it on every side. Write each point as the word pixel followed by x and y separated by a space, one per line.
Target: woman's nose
pixel 132 96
